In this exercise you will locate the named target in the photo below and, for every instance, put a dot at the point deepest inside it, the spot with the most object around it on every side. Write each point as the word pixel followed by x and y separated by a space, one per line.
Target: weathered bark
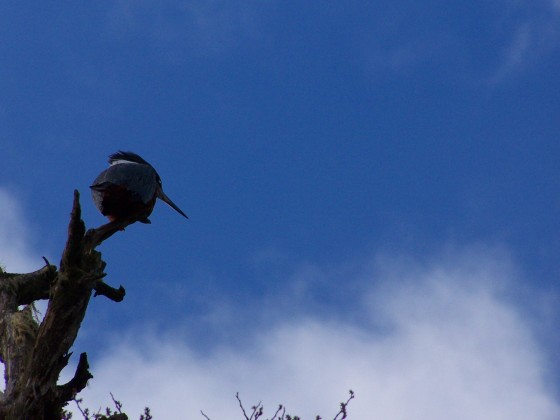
pixel 33 354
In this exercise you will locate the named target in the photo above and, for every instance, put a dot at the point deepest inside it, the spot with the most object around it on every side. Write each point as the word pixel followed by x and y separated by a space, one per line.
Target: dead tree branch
pixel 33 354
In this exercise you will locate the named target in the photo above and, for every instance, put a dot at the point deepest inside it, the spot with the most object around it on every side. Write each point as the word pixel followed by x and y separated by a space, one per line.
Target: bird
pixel 128 189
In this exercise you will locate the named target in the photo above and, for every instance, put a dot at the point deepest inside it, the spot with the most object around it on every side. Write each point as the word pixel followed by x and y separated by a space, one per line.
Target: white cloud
pixel 15 254
pixel 438 340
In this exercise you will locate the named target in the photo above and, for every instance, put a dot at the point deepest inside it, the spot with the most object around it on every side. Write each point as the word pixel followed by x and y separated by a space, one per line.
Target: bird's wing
pixel 139 179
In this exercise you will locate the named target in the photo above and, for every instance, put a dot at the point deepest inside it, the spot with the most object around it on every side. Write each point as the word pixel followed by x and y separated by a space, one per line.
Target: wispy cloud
pixel 206 26
pixel 438 340
pixel 511 39
pixel 530 39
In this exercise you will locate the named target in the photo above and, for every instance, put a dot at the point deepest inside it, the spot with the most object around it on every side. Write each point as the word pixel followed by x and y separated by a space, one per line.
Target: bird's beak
pixel 163 197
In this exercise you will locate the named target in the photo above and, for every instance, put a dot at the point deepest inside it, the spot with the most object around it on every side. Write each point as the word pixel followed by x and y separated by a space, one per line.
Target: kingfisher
pixel 128 189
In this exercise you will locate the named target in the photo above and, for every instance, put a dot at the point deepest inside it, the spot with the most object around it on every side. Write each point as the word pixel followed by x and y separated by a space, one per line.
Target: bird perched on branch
pixel 128 189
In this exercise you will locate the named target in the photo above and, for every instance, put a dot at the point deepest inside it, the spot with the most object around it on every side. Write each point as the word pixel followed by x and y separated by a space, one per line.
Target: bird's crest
pixel 126 157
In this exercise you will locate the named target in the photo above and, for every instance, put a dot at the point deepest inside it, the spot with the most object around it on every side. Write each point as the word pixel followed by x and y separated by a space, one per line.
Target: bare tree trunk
pixel 33 354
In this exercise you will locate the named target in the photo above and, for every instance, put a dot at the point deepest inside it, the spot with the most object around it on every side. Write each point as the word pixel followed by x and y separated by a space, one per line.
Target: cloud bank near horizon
pixel 438 340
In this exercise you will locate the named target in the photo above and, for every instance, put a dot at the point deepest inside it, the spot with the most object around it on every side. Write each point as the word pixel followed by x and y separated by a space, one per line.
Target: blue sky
pixel 372 185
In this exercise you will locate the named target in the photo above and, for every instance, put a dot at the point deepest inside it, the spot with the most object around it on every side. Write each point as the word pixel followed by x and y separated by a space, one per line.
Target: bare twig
pixel 241 405
pixel 118 404
pixel 205 416
pixel 147 414
pixel 257 411
pixel 278 411
pixel 343 406
pixel 85 412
